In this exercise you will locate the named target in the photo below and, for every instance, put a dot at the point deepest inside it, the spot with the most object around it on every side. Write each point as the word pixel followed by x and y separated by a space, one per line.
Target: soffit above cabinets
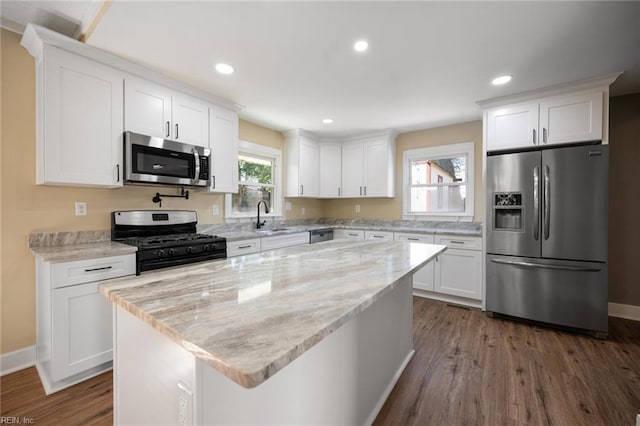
pixel 426 66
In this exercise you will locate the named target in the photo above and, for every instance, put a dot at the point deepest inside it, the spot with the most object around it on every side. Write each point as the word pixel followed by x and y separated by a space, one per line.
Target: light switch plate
pixel 215 210
pixel 303 211
pixel 81 208
pixel 357 208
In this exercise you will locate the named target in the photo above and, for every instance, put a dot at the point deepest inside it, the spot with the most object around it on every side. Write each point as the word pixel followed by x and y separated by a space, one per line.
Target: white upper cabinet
pixel 223 142
pixel 352 169
pixel 330 170
pixel 569 114
pixel 571 118
pixel 303 165
pixel 80 129
pixel 368 167
pixel 155 110
pixel 513 126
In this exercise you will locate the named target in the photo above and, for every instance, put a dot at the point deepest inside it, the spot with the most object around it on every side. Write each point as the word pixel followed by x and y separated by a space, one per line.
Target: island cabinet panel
pixel 80 127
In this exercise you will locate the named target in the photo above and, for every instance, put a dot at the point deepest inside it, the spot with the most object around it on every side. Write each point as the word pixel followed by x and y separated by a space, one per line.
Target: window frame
pixel 435 153
pixel 267 152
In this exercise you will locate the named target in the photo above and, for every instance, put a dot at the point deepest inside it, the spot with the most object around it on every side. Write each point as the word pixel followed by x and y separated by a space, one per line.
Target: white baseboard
pixel 17 360
pixel 619 310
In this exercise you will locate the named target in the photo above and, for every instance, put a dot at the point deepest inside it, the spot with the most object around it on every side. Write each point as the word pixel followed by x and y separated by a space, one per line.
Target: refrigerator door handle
pixel 543 266
pixel 547 206
pixel 536 203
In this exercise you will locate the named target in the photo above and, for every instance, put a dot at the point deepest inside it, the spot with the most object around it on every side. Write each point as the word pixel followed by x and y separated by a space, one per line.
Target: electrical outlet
pixel 81 208
pixel 303 211
pixel 287 206
pixel 215 210
pixel 357 208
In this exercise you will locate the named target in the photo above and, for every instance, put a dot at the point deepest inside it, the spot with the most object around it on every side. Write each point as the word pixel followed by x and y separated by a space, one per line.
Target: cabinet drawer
pixel 417 238
pixel 89 270
pixel 378 235
pixel 465 243
pixel 352 234
pixel 238 248
pixel 288 240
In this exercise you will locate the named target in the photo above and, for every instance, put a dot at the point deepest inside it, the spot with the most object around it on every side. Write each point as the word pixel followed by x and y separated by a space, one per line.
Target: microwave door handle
pixel 536 203
pixel 196 156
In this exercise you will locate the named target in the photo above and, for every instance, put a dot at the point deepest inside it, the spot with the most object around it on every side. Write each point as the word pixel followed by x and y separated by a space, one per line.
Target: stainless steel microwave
pixel 149 160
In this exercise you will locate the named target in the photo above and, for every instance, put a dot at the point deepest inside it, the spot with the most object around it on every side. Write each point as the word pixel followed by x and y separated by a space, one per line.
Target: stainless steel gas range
pixel 165 238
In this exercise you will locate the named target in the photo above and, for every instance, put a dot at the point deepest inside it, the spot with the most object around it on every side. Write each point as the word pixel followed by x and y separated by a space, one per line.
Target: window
pixel 258 180
pixel 438 182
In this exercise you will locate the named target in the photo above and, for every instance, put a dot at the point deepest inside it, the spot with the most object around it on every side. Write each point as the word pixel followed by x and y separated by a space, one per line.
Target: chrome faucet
pixel 266 210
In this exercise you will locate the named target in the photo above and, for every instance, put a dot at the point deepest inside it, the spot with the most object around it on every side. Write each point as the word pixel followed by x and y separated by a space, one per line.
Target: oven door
pixel 161 161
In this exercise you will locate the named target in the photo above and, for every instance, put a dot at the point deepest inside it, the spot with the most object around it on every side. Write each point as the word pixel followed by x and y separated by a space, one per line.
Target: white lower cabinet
pixel 378 235
pixel 423 277
pixel 242 247
pixel 74 340
pixel 455 275
pixel 285 240
pixel 352 234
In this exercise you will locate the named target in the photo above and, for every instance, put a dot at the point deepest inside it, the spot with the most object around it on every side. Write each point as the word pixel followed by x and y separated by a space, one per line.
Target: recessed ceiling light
pixel 327 120
pixel 361 46
pixel 224 68
pixel 503 79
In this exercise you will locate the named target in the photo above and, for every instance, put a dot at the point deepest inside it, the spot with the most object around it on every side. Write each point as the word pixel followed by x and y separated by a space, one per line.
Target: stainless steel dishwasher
pixel 318 235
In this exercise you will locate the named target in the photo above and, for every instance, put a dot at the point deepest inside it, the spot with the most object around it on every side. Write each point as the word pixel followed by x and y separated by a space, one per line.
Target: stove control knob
pixel 189 249
pixel 205 248
pixel 171 252
pixel 160 253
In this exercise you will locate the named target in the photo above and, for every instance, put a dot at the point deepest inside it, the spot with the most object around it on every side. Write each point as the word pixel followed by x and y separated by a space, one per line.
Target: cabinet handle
pixel 534 136
pixel 301 189
pixel 365 191
pixel 98 269
pixel 176 130
pixel 413 239
pixel 244 247
pixel 213 181
pixel 117 172
pixel 378 236
pixel 352 235
pixel 544 135
pixel 339 191
pixel 456 242
pixel 168 128
pixel 360 191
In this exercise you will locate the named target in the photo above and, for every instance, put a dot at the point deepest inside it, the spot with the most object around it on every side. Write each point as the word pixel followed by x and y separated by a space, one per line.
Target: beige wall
pixel 384 208
pixel 624 200
pixel 26 207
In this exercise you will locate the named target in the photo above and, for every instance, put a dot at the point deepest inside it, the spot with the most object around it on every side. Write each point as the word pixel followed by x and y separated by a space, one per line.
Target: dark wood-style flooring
pixel 468 369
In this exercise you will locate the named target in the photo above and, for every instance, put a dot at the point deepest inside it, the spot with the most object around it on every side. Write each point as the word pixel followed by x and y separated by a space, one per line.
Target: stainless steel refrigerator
pixel 547 214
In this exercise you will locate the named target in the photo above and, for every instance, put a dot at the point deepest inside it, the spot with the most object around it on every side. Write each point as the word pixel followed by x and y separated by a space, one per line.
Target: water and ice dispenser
pixel 508 214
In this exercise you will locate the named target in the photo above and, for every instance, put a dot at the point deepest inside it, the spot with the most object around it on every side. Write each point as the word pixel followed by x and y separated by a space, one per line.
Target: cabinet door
pixel 459 273
pixel 351 234
pixel 378 235
pixel 330 169
pixel 352 169
pixel 190 120
pixel 574 118
pixel 309 167
pixel 81 323
pixel 82 135
pixel 223 142
pixel 423 278
pixel 147 108
pixel 513 126
pixel 377 174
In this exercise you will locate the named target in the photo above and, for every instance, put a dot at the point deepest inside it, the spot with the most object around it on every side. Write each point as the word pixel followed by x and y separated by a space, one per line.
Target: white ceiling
pixel 427 64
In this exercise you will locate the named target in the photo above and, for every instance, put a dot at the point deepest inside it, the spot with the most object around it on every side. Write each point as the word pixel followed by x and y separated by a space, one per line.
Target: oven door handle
pixel 196 156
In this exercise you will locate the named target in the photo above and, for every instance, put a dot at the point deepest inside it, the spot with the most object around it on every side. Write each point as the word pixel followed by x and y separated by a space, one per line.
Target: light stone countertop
pixel 249 317
pixel 70 252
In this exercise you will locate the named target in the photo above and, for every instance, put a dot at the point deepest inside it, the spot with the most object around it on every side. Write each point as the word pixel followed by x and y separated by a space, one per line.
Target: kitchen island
pixel 202 344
